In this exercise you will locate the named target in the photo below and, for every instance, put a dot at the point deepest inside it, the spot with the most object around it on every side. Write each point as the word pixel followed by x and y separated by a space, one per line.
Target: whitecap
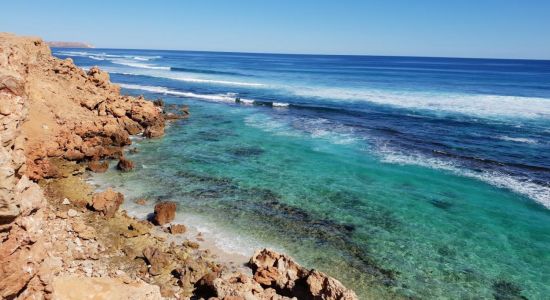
pixel 469 104
pixel 517 139
pixel 162 90
pixel 522 186
pixel 279 104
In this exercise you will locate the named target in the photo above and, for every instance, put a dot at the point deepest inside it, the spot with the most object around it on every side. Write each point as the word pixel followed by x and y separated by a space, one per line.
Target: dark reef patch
pixel 506 290
pixel 441 204
pixel 246 151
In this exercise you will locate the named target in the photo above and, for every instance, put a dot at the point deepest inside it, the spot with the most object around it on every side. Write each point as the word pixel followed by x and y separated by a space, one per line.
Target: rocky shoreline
pixel 61 239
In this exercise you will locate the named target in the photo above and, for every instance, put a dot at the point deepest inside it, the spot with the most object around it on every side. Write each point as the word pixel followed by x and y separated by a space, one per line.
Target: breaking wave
pixel 468 104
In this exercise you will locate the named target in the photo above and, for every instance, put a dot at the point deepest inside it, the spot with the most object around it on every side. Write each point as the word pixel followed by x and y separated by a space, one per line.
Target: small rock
pixel 141 201
pixel 125 165
pixel 177 229
pixel 66 201
pixel 98 167
pixel 190 244
pixel 72 213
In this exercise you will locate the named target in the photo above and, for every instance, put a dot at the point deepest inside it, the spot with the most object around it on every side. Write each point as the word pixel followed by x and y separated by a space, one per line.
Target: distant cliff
pixel 69 45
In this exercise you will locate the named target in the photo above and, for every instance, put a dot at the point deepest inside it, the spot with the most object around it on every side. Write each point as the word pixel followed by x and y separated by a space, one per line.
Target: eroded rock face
pixel 69 113
pixel 165 212
pixel 108 202
pixel 280 272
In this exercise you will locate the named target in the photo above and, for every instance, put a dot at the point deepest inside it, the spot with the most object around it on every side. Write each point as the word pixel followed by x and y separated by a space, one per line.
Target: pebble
pixel 72 213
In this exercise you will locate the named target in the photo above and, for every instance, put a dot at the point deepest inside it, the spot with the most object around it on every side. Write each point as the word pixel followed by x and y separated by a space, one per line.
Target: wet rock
pixel 125 165
pixel 108 202
pixel 165 212
pixel 158 102
pixel 141 201
pixel 98 166
pixel 177 229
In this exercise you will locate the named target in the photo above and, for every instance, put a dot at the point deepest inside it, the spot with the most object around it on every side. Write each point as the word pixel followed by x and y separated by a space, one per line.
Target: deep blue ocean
pixel 400 176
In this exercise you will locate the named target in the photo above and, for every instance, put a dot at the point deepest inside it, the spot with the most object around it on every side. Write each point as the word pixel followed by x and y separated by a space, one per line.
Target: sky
pixel 466 28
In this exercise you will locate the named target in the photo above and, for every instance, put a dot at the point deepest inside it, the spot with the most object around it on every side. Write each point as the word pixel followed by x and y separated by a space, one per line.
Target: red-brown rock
pixel 177 229
pixel 125 164
pixel 108 202
pixel 98 166
pixel 165 212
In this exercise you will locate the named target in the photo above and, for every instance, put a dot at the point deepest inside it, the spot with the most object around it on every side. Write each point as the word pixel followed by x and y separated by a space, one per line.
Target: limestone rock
pixel 177 229
pixel 107 202
pixel 165 212
pixel 280 272
pixel 73 288
pixel 156 259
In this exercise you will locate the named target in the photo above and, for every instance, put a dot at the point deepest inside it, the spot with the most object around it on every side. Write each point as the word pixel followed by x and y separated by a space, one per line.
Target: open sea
pixel 400 176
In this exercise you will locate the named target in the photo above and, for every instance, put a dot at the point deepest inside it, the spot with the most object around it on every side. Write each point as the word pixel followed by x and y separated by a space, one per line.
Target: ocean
pixel 400 176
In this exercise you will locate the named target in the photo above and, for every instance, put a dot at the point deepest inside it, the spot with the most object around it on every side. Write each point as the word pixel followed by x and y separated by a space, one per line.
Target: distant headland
pixel 56 44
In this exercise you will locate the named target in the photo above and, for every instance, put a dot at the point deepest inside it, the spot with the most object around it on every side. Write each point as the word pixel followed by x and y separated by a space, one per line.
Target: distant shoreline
pixel 57 44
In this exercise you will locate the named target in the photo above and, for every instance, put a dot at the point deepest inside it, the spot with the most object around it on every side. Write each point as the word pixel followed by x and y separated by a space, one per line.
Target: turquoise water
pixel 401 176
pixel 381 228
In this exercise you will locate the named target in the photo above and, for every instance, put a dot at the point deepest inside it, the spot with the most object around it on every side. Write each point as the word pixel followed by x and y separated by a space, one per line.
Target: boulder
pixel 165 212
pixel 98 166
pixel 125 165
pixel 108 202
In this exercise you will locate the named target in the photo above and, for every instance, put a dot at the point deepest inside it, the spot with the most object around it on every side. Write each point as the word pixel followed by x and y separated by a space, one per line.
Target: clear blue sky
pixel 462 28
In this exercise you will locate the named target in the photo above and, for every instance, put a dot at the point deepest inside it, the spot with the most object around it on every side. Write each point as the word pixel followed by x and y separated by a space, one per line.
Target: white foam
pixel 280 104
pixel 246 101
pixel 517 139
pixel 536 192
pixel 200 80
pixel 174 76
pixel 316 128
pixel 138 65
pixel 469 104
pixel 229 97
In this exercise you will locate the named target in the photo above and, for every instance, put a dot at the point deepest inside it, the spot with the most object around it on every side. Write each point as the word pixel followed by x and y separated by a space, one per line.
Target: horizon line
pixel 304 54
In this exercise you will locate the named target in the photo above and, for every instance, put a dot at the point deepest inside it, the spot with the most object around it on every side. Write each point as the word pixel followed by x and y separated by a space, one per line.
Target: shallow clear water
pixel 399 176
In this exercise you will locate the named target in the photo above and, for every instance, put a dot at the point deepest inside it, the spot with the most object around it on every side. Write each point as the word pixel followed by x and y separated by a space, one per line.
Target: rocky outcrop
pixel 165 212
pixel 282 273
pixel 63 241
pixel 67 112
